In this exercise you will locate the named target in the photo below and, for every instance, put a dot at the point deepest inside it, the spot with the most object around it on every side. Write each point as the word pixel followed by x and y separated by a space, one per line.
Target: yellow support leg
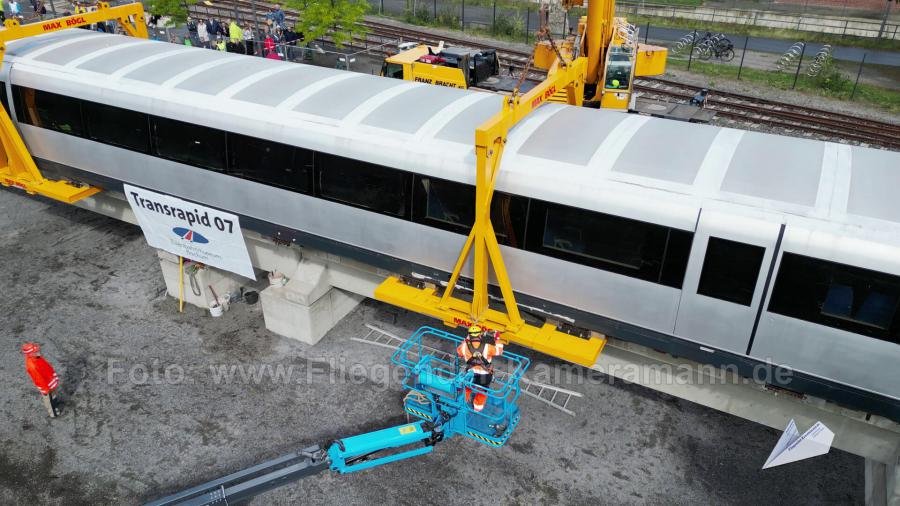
pixel 17 167
pixel 482 245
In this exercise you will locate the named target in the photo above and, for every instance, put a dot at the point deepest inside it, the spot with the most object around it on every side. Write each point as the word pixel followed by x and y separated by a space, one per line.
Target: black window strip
pixel 315 183
pixel 765 291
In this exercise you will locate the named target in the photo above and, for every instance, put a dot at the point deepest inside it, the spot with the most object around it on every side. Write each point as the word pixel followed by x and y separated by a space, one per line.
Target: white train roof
pixel 594 159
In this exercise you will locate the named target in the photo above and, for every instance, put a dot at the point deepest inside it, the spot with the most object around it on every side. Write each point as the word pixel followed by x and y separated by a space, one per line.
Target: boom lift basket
pixel 438 388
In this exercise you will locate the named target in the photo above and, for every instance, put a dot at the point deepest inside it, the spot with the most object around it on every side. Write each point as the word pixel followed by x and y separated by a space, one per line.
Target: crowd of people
pixel 272 39
pixel 13 10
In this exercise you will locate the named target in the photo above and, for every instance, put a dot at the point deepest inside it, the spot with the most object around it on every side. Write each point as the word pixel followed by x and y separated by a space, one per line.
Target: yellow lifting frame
pixel 17 167
pixel 490 139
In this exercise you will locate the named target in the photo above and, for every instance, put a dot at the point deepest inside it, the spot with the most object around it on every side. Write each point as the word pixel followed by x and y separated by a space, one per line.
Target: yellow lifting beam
pixel 490 139
pixel 17 167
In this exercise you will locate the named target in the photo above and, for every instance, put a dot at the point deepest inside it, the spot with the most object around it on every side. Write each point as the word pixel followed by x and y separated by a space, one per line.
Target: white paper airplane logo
pixel 792 447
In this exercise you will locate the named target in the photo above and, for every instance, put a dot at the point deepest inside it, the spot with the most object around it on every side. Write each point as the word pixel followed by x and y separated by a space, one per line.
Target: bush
pixel 510 25
pixel 831 79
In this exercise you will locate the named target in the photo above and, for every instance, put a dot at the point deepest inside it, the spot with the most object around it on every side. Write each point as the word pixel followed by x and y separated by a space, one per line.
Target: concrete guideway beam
pixel 341 282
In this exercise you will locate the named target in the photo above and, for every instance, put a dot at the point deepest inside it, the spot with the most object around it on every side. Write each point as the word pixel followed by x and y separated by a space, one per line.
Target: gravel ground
pixel 88 289
pixel 760 60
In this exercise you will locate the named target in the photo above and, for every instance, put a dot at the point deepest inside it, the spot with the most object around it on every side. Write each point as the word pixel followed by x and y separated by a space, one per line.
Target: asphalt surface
pixel 484 16
pixel 147 415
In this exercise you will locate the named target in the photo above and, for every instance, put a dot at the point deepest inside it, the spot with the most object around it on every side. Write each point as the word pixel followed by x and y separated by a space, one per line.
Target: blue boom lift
pixel 437 397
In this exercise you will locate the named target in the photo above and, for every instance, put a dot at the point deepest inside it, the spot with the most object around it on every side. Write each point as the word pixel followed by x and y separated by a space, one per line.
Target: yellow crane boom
pixel 17 167
pixel 482 245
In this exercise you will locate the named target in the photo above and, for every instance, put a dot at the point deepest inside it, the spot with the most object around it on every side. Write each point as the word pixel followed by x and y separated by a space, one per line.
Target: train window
pixel 116 126
pixel 48 110
pixel 362 184
pixel 451 206
pixel 841 296
pixel 621 245
pixel 188 143
pixel 730 270
pixel 270 162
pixel 3 98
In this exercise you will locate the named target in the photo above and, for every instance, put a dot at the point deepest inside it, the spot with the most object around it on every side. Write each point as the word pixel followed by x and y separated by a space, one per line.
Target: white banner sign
pixel 190 230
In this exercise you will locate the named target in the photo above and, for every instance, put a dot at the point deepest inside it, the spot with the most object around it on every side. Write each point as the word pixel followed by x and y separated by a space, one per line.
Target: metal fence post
pixel 799 64
pixel 494 22
pixel 381 9
pixel 744 52
pixel 462 20
pixel 527 23
pixel 691 56
pixel 647 33
pixel 858 73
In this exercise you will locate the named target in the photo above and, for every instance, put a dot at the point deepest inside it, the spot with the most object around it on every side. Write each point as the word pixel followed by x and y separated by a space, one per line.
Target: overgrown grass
pixel 772 33
pixel 509 26
pixel 829 83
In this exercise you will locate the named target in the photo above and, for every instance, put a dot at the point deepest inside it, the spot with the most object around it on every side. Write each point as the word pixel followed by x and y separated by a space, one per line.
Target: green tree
pixel 177 10
pixel 338 19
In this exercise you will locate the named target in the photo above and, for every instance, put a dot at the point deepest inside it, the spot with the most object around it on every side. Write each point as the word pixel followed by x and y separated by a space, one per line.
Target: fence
pixel 859 27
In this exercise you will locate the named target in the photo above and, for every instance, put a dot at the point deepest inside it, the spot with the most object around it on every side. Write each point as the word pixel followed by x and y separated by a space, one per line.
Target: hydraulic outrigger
pixel 17 167
pixel 490 139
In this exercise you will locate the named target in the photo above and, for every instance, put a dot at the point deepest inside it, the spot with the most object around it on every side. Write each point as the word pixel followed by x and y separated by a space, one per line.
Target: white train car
pixel 724 246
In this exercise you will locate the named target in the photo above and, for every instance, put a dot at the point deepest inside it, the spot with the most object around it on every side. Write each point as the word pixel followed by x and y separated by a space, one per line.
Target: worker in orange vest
pixel 43 376
pixel 478 354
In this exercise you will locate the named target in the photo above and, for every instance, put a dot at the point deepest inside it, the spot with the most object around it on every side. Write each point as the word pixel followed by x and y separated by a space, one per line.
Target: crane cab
pixel 616 92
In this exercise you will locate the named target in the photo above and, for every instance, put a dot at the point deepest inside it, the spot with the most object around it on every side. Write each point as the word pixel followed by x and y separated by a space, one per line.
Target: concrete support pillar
pixel 307 307
pixel 222 282
pixel 882 483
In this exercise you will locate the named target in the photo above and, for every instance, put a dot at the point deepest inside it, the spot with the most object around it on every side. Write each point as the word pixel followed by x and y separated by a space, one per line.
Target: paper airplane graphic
pixel 792 447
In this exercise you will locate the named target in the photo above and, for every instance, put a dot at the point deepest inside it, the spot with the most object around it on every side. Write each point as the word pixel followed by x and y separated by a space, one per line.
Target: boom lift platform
pixel 437 398
pixel 17 167
pixel 566 79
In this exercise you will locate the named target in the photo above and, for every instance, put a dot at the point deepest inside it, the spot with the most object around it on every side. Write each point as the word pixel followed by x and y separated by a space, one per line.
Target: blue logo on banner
pixel 189 235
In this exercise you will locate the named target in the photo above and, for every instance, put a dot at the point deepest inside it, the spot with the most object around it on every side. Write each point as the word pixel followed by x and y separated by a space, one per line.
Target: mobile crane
pixel 436 397
pixel 613 56
pixel 17 167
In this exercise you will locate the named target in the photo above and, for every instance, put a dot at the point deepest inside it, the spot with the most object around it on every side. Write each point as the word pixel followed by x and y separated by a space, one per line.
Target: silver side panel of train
pixel 824 200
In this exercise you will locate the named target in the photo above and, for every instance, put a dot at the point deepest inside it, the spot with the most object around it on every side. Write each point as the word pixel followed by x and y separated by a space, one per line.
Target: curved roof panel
pixel 385 120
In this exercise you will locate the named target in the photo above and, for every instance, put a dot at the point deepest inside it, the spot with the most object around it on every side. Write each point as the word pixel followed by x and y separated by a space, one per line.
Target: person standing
pixel 203 34
pixel 248 40
pixel 478 351
pixel 44 377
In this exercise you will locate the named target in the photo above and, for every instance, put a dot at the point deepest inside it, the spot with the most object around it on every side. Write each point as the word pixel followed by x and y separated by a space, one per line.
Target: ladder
pixel 553 396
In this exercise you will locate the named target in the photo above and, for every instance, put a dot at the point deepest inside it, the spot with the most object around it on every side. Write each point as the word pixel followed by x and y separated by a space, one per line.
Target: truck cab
pixel 444 66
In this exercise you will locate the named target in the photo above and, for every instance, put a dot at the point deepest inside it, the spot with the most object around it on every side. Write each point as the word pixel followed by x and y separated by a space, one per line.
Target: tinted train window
pixel 611 243
pixel 3 98
pixel 837 295
pixel 730 270
pixel 188 143
pixel 270 162
pixel 116 126
pixel 364 184
pixel 48 110
pixel 451 206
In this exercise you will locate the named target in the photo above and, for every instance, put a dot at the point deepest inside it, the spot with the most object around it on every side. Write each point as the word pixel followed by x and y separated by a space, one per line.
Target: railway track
pixel 736 110
pixel 786 118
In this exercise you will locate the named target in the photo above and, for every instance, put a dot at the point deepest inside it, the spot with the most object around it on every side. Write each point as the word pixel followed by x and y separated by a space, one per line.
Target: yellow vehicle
pixel 453 67
pixel 613 57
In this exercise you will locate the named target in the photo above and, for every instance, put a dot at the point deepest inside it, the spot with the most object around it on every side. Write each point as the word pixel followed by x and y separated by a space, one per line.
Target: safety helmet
pixel 474 331
pixel 30 349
